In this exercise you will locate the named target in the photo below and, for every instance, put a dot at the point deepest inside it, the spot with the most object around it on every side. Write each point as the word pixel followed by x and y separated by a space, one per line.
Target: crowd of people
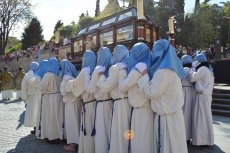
pixel 137 101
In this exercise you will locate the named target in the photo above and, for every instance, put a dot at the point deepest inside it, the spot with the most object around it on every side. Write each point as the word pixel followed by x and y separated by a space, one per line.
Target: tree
pixel 59 25
pixel 32 34
pixel 11 13
pixel 97 11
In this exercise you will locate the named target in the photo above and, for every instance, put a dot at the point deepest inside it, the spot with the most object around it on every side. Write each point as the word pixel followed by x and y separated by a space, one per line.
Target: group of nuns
pixel 122 102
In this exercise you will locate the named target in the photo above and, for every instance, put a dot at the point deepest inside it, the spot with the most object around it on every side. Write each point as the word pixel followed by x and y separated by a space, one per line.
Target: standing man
pixel 7 84
pixel 18 80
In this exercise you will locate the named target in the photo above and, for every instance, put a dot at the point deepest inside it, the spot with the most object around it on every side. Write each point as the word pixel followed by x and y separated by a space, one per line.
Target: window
pixel 94 26
pixel 108 21
pixel 125 15
pixel 81 31
pixel 147 35
pixel 125 33
pixel 78 46
pixel 106 38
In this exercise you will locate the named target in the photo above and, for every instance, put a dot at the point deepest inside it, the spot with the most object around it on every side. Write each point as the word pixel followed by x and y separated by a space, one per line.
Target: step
pixel 220 101
pixel 221 106
pixel 223 90
pixel 221 95
pixel 221 112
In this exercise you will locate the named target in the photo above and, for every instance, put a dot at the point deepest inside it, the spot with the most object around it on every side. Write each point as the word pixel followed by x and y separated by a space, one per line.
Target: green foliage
pixel 14 48
pixel 69 30
pixel 84 21
pixel 12 12
pixel 97 11
pixel 32 34
pixel 111 8
pixel 59 25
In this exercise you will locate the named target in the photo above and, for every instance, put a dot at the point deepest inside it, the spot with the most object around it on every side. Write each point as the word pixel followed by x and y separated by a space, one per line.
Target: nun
pixel 77 87
pixel 103 108
pixel 187 87
pixel 50 86
pixel 163 86
pixel 140 133
pixel 72 106
pixel 202 76
pixel 121 108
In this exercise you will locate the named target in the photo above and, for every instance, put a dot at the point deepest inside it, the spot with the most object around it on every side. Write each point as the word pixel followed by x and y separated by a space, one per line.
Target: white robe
pixel 72 115
pixel 53 120
pixel 7 94
pixel 202 128
pixel 121 111
pixel 76 86
pixel 31 95
pixel 18 94
pixel 142 116
pixel 166 95
pixel 103 114
pixel 187 87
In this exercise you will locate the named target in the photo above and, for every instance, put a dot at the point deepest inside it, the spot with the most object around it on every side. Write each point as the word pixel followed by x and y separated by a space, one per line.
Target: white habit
pixel 76 86
pixel 202 128
pixel 165 92
pixel 187 87
pixel 50 87
pixel 121 111
pixel 31 95
pixel 102 114
pixel 142 116
pixel 72 114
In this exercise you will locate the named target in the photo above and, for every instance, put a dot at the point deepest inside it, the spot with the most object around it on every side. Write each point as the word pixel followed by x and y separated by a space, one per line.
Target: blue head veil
pixel 164 57
pixel 89 60
pixel 34 66
pixel 186 59
pixel 43 68
pixel 201 58
pixel 67 68
pixel 139 53
pixel 120 54
pixel 53 65
pixel 104 58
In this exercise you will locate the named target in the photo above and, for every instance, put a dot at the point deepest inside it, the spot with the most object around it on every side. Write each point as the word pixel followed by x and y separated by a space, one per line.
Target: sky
pixel 49 12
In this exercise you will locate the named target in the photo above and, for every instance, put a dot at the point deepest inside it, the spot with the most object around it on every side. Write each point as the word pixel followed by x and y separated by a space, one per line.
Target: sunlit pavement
pixel 16 138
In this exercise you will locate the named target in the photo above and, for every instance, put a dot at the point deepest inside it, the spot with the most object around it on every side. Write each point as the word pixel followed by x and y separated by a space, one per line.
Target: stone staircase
pixel 221 101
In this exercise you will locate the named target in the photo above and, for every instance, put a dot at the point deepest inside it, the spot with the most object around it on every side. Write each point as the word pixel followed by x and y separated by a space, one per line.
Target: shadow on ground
pixel 30 144
pixel 204 149
pixel 21 120
pixel 11 101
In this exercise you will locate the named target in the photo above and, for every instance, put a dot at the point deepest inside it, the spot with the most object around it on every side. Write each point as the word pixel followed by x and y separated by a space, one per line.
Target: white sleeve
pixel 76 86
pixel 109 83
pixel 127 82
pixel 156 86
pixel 195 76
pixel 90 85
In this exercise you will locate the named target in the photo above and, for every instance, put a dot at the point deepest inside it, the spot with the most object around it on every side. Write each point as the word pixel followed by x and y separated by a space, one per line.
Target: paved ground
pixel 15 138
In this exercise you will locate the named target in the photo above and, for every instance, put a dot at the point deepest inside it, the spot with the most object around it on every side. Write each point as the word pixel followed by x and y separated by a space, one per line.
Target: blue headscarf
pixel 120 54
pixel 186 59
pixel 164 57
pixel 201 58
pixel 139 53
pixel 89 60
pixel 104 58
pixel 34 66
pixel 43 68
pixel 53 66
pixel 67 68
